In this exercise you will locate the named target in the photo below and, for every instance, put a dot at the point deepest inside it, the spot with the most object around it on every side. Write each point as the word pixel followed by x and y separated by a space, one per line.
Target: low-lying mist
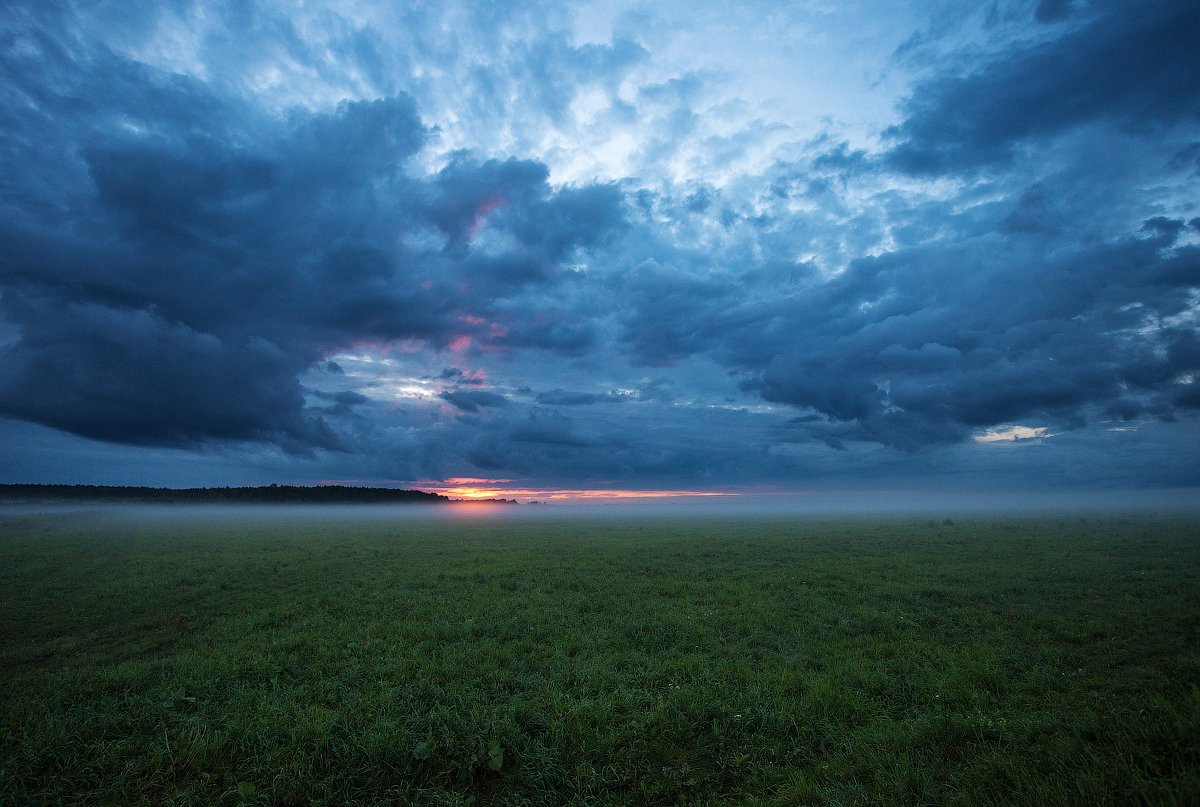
pixel 875 503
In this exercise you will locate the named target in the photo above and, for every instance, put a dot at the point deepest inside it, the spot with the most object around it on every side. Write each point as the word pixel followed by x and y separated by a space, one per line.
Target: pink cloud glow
pixel 481 212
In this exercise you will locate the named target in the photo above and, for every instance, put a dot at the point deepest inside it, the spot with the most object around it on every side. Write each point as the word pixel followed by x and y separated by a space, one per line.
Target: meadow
pixel 276 657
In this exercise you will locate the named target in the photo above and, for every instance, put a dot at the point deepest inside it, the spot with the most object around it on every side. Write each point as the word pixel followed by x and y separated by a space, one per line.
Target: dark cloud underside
pixel 1136 67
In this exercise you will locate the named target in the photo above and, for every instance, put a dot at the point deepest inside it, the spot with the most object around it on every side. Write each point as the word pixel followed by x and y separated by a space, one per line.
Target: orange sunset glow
pixel 475 489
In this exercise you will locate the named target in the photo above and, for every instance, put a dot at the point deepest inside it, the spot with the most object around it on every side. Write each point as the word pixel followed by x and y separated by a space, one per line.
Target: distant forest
pixel 269 494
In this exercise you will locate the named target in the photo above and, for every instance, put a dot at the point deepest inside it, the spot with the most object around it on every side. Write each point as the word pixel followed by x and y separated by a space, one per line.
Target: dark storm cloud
pixel 556 330
pixel 1009 321
pixel 131 376
pixel 459 376
pixel 581 216
pixel 551 429
pixel 911 350
pixel 677 310
pixel 338 403
pixel 472 400
pixel 561 397
pixel 1135 66
pixel 173 259
pixel 466 189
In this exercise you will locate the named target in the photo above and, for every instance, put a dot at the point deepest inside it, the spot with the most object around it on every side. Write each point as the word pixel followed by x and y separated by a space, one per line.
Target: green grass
pixel 544 661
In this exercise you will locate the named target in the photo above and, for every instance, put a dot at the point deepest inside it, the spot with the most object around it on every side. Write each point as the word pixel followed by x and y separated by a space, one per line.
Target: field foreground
pixel 197 658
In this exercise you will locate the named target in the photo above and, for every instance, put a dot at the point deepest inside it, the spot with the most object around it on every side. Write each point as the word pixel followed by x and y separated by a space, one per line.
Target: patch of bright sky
pixel 1189 317
pixel 378 375
pixel 1012 434
pixel 176 43
pixel 796 62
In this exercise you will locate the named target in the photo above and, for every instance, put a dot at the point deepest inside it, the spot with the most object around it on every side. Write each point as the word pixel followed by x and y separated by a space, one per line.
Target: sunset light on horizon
pixel 471 488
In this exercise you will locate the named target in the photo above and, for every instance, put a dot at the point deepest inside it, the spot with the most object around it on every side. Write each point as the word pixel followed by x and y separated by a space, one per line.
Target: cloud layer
pixel 287 239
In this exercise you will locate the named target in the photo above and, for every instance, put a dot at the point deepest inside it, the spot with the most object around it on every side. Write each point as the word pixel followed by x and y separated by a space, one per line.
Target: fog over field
pixel 883 505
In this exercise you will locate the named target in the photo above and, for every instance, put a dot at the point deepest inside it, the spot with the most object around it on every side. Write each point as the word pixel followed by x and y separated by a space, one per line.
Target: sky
pixel 587 251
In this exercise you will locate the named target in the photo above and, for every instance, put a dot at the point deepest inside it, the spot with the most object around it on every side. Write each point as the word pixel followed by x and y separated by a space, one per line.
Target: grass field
pixel 275 659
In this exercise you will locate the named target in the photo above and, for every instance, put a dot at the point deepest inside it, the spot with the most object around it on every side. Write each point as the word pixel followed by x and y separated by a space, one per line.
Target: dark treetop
pixel 270 494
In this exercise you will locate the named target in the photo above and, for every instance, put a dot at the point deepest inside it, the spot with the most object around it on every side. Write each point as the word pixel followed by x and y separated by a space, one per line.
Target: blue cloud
pixel 207 254
pixel 448 241
pixel 1133 66
pixel 473 400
